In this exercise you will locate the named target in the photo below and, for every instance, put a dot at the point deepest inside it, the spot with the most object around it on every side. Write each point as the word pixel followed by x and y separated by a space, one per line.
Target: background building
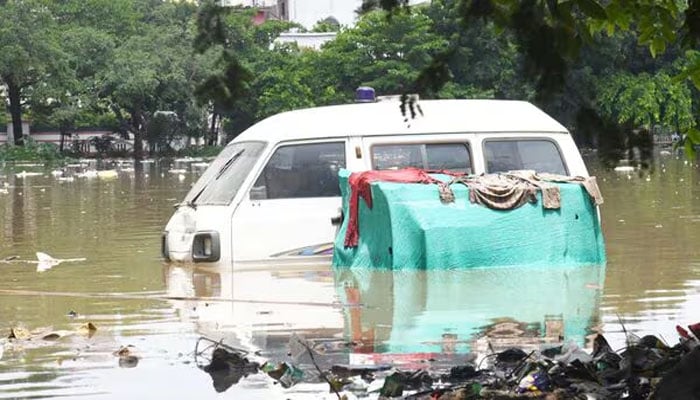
pixel 306 12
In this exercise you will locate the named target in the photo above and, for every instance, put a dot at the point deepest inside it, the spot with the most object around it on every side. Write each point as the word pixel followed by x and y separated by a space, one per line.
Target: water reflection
pixel 429 314
pixel 443 311
pixel 257 310
pixel 651 227
pixel 651 224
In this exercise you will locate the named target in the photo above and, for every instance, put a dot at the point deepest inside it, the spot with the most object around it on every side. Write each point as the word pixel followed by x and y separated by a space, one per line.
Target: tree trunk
pixel 137 126
pixel 212 131
pixel 13 91
pixel 63 139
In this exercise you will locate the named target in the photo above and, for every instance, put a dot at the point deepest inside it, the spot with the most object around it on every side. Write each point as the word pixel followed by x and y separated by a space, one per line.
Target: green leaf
pixel 657 45
pixel 592 9
pixel 610 29
pixel 694 135
pixel 689 150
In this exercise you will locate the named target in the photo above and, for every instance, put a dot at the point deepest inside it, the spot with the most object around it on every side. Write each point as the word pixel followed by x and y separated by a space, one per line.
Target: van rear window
pixel 431 156
pixel 532 154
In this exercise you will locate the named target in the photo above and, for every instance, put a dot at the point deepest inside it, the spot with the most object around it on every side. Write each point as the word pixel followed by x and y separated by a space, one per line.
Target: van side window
pixel 510 155
pixel 299 171
pixel 431 156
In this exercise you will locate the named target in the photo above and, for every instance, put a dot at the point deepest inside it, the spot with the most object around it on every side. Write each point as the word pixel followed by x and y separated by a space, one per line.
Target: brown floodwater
pixel 107 228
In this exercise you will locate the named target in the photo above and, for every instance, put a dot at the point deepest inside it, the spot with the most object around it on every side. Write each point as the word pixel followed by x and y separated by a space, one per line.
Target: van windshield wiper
pixel 221 171
pixel 227 165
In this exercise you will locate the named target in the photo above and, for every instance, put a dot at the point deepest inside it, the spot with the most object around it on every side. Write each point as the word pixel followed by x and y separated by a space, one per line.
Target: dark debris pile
pixel 646 368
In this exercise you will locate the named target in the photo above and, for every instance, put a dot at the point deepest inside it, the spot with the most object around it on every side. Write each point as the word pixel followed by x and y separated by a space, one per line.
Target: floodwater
pixel 110 227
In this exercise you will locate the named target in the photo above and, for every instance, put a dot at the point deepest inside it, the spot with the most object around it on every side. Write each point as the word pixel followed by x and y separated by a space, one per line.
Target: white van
pixel 272 195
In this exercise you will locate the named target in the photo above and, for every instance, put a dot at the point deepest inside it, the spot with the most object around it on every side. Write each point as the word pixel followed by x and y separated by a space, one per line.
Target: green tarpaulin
pixel 408 227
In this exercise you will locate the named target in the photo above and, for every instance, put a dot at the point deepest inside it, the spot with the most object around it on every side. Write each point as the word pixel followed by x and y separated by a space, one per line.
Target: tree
pixel 153 71
pixel 280 87
pixel 329 24
pixel 63 101
pixel 234 47
pixel 483 62
pixel 550 34
pixel 29 44
pixel 387 54
pixel 646 100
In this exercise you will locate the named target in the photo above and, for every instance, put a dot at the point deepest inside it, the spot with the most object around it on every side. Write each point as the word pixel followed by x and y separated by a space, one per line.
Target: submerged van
pixel 272 196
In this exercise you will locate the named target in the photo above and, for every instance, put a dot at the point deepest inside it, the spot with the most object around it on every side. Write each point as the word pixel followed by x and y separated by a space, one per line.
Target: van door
pixel 288 210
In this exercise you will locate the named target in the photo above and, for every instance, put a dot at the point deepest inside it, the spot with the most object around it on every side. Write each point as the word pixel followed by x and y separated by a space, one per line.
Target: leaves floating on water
pixel 123 351
pixel 88 329
pixel 127 356
pixel 19 333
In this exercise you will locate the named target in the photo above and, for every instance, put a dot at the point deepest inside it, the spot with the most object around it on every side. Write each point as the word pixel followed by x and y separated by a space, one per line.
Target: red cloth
pixel 360 187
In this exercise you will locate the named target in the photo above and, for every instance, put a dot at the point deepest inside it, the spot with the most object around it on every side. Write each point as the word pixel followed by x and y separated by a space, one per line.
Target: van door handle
pixel 338 219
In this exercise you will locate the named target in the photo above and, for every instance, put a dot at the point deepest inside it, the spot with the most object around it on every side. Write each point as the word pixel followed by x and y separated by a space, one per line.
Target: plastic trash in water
pixel 285 373
pixel 45 262
pixel 534 382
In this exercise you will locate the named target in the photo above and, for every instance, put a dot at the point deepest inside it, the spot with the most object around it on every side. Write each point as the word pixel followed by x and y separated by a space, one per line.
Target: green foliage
pixel 31 52
pixel 646 100
pixel 690 142
pixel 31 151
pixel 550 34
pixel 387 54
pixel 124 64
pixel 692 68
pixel 326 25
pixel 281 89
pixel 199 151
pixel 102 144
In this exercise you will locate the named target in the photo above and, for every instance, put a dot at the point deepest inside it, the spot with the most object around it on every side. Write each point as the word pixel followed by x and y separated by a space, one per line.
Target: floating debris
pixel 646 368
pixel 45 262
pixel 225 364
pixel 624 168
pixel 127 357
pixel 107 174
pixel 201 165
pixel 87 329
pixel 19 333
pixel 25 174
pixel 91 173
pixel 51 336
pixel 285 373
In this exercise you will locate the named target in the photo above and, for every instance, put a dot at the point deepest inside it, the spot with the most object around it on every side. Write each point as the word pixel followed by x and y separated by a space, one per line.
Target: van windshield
pixel 221 181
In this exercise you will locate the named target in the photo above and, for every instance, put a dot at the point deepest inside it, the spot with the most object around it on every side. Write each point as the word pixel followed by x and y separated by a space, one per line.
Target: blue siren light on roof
pixel 365 94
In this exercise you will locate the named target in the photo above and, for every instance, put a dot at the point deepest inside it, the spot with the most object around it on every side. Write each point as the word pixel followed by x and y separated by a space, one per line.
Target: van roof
pixel 385 118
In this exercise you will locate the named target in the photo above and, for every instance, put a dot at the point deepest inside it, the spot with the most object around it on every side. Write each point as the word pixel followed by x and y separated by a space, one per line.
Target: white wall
pixel 309 40
pixel 249 3
pixel 308 12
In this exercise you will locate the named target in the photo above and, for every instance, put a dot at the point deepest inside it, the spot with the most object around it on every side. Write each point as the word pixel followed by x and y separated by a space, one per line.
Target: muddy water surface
pixel 651 282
